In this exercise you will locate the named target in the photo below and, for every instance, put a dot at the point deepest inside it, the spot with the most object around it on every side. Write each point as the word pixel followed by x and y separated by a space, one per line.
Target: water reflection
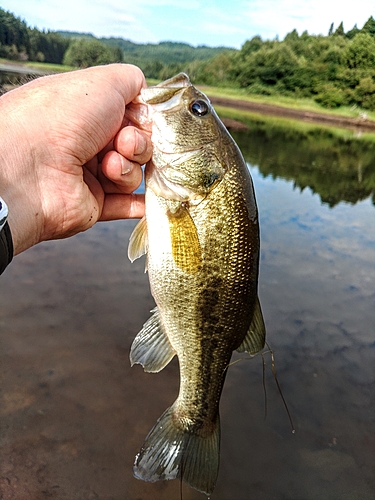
pixel 337 167
pixel 73 412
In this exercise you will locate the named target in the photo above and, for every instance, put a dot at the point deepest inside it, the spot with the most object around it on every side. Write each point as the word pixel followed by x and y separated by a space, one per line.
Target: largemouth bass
pixel 201 236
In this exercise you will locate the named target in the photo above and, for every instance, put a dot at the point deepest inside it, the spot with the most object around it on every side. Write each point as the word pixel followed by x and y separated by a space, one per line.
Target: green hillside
pixel 335 70
pixel 165 52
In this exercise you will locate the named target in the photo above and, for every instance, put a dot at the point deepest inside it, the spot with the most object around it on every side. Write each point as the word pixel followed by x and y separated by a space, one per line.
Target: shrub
pixel 330 97
pixel 259 88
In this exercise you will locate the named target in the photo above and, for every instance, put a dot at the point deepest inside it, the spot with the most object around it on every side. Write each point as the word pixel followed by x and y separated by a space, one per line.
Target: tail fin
pixel 170 452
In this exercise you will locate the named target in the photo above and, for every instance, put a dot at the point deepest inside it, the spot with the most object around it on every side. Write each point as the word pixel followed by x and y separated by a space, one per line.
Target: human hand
pixel 69 157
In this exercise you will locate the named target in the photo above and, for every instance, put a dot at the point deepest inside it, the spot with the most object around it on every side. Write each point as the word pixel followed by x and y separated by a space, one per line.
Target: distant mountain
pixel 164 52
pixel 74 34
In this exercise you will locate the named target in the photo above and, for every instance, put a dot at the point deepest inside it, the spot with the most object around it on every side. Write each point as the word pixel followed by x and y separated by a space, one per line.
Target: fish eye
pixel 199 107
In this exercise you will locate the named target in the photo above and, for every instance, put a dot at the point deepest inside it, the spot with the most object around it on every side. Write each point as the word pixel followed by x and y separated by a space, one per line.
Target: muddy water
pixel 73 413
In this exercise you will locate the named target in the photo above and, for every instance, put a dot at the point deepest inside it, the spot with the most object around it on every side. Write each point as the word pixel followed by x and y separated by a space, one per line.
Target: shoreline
pixel 20 69
pixel 361 123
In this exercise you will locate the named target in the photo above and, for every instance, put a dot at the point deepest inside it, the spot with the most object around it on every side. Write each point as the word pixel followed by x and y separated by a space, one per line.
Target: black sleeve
pixel 6 247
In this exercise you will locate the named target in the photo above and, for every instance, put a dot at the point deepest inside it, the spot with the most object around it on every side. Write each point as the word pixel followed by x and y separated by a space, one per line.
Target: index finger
pixel 123 206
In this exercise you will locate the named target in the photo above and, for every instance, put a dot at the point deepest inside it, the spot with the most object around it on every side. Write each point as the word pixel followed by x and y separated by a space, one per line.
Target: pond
pixel 14 74
pixel 8 78
pixel 73 412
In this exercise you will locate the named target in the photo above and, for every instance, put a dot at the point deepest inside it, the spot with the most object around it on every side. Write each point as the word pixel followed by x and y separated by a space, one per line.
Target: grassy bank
pixel 287 102
pixel 49 67
pixel 256 120
pixel 45 67
pixel 235 94
pixel 281 101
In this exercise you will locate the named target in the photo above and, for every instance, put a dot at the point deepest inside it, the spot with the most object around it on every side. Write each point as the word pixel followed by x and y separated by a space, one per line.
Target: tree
pixel 217 71
pixel 268 65
pixel 252 45
pixel 352 33
pixel 360 52
pixel 46 46
pixel 292 36
pixel 13 34
pixel 85 52
pixel 369 27
pixel 340 30
pixel 152 69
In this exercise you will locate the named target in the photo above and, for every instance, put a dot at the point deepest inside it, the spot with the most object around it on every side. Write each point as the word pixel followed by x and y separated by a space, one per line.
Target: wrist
pixel 6 242
pixel 17 187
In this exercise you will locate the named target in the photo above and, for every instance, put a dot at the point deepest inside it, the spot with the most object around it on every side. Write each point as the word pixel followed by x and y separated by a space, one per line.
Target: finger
pixel 133 144
pixel 120 174
pixel 128 79
pixel 103 152
pixel 123 206
pixel 94 203
pixel 92 166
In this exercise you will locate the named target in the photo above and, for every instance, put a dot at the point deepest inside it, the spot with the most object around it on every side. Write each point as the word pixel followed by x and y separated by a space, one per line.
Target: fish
pixel 200 235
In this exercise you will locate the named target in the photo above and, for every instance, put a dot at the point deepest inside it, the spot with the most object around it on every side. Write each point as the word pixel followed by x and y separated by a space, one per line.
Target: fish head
pixel 182 116
pixel 186 133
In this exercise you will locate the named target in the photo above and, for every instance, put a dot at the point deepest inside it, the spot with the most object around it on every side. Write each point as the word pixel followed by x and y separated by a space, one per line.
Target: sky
pixel 197 22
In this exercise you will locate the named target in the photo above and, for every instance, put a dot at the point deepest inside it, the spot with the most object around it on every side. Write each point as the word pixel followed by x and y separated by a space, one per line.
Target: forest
pixel 334 69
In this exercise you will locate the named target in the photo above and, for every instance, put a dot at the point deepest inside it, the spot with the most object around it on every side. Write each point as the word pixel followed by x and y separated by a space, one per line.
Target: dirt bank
pixel 361 122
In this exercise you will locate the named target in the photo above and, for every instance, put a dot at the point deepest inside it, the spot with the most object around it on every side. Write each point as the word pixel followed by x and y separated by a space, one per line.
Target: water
pixel 73 412
pixel 14 74
pixel 8 78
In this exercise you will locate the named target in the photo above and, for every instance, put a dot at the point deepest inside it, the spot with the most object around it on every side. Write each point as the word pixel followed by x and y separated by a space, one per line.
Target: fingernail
pixel 141 145
pixel 126 166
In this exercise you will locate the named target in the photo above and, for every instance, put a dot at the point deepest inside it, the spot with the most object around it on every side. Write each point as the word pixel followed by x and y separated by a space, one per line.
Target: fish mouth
pixel 162 97
pixel 177 81
pixel 165 95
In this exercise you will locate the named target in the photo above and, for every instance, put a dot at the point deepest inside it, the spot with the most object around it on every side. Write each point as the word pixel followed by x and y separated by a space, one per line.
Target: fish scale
pixel 201 236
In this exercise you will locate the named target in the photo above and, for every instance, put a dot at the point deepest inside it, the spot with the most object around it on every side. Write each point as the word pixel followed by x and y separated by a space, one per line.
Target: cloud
pixel 111 18
pixel 272 17
pixel 213 22
pixel 191 5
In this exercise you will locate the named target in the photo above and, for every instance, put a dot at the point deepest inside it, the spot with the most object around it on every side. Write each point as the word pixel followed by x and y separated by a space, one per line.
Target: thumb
pixel 127 79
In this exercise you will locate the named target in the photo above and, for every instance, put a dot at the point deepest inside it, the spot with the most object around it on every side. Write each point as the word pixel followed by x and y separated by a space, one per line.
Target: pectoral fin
pixel 151 347
pixel 256 335
pixel 138 241
pixel 186 248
